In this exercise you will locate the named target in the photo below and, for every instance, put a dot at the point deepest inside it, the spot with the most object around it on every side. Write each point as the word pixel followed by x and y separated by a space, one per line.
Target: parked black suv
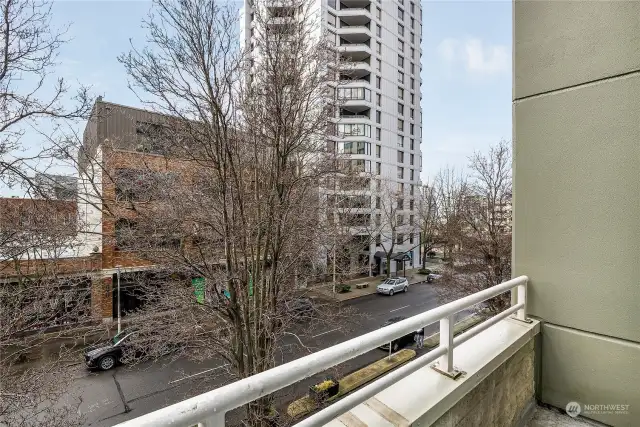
pixel 398 342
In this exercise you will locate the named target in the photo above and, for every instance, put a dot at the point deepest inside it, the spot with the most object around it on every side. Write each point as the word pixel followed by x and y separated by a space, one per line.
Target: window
pixel 411 238
pixel 411 113
pixel 400 77
pixel 401 125
pixel 401 187
pixel 411 159
pixel 400 93
pixel 412 83
pixel 411 218
pixel 331 20
pixel 354 93
pixel 411 204
pixel 400 239
pixel 378 116
pixel 379 14
pixel 400 61
pixel 413 23
pixel 411 174
pixel 400 220
pixel 401 14
pixel 378 30
pixel 378 65
pixel 411 189
pixel 400 156
pixel 378 99
pixel 378 238
pixel 401 29
pixel 354 148
pixel 400 172
pixel 378 134
pixel 411 128
pixel 412 6
pixel 413 99
pixel 332 4
pixel 355 129
pixel 412 68
pixel 379 47
pixel 400 108
pixel 378 219
pixel 378 82
pixel 412 142
pixel 378 202
pixel 378 168
pixel 413 53
pixel 400 140
pixel 378 151
pixel 400 204
pixel 400 45
pixel 125 231
pixel 412 37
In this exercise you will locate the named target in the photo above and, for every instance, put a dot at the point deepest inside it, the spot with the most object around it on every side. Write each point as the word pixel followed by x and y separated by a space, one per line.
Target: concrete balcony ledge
pixel 496 389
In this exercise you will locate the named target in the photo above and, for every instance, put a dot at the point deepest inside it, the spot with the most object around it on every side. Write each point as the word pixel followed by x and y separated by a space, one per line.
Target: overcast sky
pixel 466 68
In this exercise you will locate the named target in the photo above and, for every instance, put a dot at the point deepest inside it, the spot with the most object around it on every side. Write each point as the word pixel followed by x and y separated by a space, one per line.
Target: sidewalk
pixel 327 288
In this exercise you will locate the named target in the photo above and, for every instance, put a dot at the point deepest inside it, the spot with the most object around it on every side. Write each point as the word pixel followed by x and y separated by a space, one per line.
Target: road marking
pixel 199 373
pixel 325 332
pixel 396 309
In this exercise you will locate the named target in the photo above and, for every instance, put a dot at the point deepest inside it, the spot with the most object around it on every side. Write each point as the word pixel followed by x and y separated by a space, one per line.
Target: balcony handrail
pixel 354 116
pixel 208 409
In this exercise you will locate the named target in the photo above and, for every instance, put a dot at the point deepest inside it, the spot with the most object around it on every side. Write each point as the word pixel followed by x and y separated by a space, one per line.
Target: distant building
pixel 56 187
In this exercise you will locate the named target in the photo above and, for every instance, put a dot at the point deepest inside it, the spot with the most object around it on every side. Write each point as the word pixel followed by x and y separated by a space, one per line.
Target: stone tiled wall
pixel 501 399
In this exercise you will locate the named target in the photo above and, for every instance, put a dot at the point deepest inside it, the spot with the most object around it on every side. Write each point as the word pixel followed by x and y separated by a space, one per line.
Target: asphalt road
pixel 111 397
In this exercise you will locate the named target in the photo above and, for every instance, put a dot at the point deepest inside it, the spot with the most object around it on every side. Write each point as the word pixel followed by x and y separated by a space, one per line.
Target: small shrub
pixel 424 271
pixel 344 288
pixel 431 254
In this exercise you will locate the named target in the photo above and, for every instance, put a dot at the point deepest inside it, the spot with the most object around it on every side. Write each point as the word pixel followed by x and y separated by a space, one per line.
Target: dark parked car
pixel 398 342
pixel 128 345
pixel 300 307
pixel 107 355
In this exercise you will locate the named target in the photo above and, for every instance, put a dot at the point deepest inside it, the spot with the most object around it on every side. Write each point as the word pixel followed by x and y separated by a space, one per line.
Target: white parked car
pixel 392 286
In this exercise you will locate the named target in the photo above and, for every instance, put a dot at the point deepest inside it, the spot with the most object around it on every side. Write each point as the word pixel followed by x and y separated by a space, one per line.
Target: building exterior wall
pixel 502 399
pixel 381 62
pixel 576 226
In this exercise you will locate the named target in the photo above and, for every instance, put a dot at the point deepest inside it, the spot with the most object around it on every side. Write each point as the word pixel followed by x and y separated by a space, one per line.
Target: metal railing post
pixel 445 362
pixel 519 295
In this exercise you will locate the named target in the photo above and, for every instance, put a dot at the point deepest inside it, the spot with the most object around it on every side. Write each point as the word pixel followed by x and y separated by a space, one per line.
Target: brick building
pixel 122 154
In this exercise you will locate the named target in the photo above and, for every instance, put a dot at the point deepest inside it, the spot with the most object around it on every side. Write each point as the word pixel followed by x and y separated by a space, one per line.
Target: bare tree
pixel 484 258
pixel 391 227
pixel 27 93
pixel 39 304
pixel 451 187
pixel 232 204
pixel 34 238
pixel 428 216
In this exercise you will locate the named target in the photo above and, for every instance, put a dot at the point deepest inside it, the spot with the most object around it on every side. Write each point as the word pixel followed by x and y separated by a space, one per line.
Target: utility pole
pixel 118 281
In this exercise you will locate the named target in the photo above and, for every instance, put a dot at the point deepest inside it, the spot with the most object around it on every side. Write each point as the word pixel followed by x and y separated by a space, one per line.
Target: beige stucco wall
pixel 501 399
pixel 577 195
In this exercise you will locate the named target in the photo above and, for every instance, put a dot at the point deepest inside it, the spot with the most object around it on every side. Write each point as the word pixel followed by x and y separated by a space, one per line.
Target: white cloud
pixel 477 57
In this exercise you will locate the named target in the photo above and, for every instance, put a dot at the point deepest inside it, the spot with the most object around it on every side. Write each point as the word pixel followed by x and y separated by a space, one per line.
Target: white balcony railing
pixel 209 409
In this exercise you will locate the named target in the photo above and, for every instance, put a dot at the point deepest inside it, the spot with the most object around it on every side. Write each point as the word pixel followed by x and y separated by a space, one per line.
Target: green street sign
pixel 199 288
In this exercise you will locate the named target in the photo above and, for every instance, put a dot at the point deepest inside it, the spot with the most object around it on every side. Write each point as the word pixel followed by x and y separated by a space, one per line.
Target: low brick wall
pixel 501 399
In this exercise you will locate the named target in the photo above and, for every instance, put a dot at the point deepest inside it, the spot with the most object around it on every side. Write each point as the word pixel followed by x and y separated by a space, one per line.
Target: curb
pixel 348 297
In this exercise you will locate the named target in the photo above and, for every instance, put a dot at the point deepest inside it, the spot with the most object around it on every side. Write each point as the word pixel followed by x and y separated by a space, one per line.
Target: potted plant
pixel 324 390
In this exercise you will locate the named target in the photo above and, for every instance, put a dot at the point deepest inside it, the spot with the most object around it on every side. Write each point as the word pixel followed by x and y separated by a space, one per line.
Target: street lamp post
pixel 118 281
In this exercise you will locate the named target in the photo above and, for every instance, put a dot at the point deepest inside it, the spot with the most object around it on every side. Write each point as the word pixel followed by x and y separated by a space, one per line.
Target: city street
pixel 124 393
